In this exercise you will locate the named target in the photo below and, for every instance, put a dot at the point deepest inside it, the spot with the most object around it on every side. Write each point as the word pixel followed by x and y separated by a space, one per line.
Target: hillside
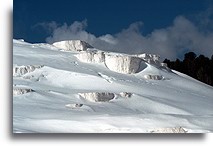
pixel 72 87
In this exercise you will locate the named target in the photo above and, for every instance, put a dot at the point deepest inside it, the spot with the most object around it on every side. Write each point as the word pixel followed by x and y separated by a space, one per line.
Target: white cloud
pixel 48 26
pixel 168 42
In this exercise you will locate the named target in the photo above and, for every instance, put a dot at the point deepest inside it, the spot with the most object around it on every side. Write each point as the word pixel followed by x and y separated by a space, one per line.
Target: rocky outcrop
pixel 97 96
pixel 72 45
pixel 122 63
pixel 153 77
pixel 21 70
pixel 20 91
pixel 91 56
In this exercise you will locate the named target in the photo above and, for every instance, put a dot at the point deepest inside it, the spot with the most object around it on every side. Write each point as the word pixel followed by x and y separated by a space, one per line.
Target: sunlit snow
pixel 60 91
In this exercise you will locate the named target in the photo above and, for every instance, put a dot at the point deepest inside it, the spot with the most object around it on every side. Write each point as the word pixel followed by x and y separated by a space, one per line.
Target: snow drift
pixel 72 45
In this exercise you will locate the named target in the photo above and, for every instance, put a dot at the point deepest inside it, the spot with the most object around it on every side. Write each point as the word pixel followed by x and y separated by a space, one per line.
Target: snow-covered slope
pixel 88 90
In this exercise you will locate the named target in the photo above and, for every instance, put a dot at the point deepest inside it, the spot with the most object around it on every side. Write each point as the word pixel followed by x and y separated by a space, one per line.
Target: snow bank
pixel 21 70
pixel 153 77
pixel 20 91
pixel 169 130
pixel 122 63
pixel 97 96
pixel 72 45
pixel 89 56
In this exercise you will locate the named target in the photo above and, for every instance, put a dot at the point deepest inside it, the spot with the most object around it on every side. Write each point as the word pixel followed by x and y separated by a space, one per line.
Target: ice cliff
pixel 72 45
pixel 121 63
pixel 91 56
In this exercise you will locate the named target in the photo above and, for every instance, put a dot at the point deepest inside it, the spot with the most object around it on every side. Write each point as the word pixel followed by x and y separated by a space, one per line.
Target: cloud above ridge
pixel 170 42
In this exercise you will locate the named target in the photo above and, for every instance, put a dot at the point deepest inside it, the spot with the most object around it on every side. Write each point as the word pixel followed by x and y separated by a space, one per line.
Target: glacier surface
pixel 80 89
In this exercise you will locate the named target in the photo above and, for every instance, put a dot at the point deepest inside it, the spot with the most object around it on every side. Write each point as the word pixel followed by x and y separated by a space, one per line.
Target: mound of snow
pixel 20 91
pixel 125 64
pixel 90 56
pixel 169 130
pixel 21 70
pixel 98 96
pixel 125 94
pixel 72 45
pixel 74 105
pixel 153 77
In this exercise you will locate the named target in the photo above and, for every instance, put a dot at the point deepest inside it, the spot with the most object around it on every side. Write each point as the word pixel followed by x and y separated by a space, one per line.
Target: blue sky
pixel 38 20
